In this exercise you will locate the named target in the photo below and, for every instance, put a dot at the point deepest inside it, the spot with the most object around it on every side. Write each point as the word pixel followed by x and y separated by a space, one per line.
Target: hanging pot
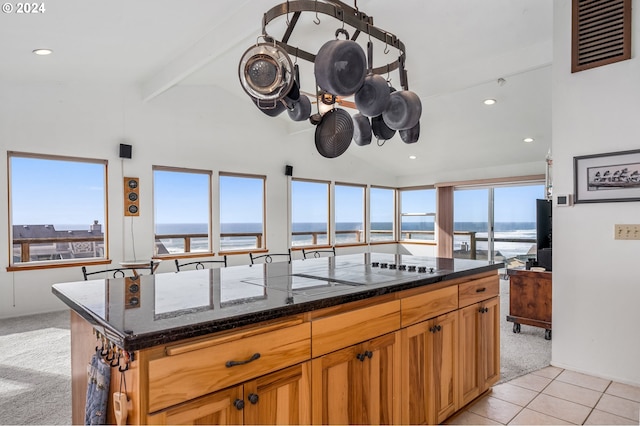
pixel 372 98
pixel 334 133
pixel 301 109
pixel 403 110
pixel 380 129
pixel 340 66
pixel 410 135
pixel 266 72
pixel 270 108
pixel 361 130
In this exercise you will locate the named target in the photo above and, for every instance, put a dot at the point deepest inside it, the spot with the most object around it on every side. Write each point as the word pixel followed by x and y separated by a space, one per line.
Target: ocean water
pixel 506 230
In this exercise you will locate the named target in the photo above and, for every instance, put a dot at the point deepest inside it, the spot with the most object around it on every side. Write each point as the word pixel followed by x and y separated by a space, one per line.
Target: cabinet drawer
pixel 478 290
pixel 342 330
pixel 429 305
pixel 177 378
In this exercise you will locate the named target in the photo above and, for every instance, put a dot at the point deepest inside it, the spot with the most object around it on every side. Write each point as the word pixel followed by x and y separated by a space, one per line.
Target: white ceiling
pixel 456 52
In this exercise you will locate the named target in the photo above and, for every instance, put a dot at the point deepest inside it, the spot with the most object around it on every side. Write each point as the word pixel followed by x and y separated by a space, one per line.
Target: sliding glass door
pixel 496 222
pixel 471 224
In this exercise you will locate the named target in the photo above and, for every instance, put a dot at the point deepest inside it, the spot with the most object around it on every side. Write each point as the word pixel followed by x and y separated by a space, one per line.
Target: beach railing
pixel 54 248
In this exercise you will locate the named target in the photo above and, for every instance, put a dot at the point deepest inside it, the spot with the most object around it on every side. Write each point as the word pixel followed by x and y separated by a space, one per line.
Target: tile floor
pixel 553 396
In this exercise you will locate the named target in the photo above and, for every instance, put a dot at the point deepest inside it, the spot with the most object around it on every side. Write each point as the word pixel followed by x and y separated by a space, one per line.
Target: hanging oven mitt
pixel 99 379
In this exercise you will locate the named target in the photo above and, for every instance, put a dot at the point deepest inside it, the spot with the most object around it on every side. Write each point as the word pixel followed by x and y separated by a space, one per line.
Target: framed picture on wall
pixel 605 178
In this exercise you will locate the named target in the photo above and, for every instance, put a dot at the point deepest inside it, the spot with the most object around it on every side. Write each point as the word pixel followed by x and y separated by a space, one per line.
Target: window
pixel 309 213
pixel 181 199
pixel 242 207
pixel 417 215
pixel 57 207
pixel 382 208
pixel 349 213
pixel 497 222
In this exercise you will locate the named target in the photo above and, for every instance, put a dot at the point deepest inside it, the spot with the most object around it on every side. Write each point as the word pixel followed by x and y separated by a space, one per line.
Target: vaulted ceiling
pixel 457 50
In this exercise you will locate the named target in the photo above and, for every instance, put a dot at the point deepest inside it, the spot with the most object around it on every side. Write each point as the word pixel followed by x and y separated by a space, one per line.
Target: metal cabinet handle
pixel 239 404
pixel 230 364
pixel 253 398
pixel 364 355
pixel 481 290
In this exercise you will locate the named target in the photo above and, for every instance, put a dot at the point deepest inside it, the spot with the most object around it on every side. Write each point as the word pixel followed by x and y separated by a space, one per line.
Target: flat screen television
pixel 544 233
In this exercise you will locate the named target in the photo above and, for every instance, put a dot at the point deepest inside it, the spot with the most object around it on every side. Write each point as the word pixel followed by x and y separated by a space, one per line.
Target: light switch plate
pixel 627 232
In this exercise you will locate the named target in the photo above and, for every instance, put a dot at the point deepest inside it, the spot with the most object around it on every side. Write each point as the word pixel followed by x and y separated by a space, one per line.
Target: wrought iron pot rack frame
pixel 344 13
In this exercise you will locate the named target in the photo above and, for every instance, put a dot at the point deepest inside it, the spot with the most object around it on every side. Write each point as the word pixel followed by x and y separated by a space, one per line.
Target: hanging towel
pixel 99 379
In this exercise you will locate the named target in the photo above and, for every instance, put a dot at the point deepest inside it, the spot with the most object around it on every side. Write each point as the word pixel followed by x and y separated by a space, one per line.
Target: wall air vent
pixel 601 33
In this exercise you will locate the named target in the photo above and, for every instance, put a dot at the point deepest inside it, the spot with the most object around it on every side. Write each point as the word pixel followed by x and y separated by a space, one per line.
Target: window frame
pixel 426 214
pixel 394 218
pixel 365 228
pixel 189 254
pixel 263 239
pixel 56 263
pixel 329 207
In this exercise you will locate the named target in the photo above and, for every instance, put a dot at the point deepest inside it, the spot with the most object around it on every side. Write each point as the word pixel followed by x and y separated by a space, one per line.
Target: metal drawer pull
pixel 481 290
pixel 230 364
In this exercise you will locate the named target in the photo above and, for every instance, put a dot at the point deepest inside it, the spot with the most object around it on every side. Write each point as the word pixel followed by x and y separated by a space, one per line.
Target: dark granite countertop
pixel 176 306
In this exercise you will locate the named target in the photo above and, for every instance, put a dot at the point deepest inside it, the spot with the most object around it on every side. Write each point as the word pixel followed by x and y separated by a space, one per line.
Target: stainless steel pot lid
pixel 266 72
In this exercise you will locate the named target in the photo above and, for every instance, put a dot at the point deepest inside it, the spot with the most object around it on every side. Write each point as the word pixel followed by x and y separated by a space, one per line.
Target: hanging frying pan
pixel 361 130
pixel 410 135
pixel 340 66
pixel 334 133
pixel 372 98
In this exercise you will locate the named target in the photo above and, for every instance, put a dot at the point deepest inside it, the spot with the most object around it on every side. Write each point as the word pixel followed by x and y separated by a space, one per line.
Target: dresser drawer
pixel 478 290
pixel 341 330
pixel 428 305
pixel 191 373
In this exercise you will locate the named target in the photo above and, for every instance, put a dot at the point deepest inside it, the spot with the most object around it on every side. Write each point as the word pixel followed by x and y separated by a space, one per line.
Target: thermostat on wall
pixel 564 200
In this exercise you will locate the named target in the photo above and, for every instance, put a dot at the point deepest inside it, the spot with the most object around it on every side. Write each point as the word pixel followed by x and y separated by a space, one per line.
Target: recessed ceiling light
pixel 412 157
pixel 43 52
pixel 528 140
pixel 490 101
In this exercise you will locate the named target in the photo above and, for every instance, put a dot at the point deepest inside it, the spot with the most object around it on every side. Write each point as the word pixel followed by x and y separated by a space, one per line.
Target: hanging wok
pixel 334 133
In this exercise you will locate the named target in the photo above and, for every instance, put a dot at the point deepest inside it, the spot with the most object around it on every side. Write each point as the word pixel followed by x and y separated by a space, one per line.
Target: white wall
pixel 188 126
pixel 596 282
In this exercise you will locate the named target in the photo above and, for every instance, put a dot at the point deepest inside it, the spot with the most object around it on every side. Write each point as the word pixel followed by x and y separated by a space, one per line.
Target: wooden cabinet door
pixel 358 384
pixel 469 385
pixel 479 348
pixel 283 397
pixel 430 370
pixel 490 343
pixel 222 408
pixel 444 366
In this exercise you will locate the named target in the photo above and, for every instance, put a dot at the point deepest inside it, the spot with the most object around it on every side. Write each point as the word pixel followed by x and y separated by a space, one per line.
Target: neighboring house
pixel 85 244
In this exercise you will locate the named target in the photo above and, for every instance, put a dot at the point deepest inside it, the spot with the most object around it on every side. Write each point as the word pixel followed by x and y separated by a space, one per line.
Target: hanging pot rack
pixel 344 13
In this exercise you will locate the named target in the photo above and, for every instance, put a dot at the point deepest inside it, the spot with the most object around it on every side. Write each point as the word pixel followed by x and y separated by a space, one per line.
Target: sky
pixel 41 194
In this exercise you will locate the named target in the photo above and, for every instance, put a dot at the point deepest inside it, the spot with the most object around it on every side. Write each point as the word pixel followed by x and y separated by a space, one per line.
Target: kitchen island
pixel 367 338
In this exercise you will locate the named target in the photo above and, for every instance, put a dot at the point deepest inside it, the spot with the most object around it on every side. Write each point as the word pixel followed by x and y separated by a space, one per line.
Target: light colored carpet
pixel 520 353
pixel 35 370
pixel 35 363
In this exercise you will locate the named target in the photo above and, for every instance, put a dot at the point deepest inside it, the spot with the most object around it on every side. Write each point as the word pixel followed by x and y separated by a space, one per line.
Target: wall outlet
pixel 627 232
